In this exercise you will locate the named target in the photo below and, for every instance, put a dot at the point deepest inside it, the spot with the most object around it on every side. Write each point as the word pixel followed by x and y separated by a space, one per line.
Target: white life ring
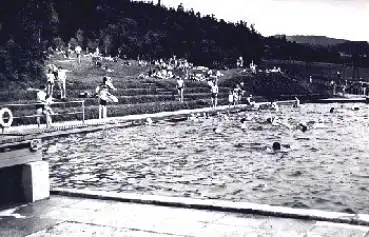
pixel 4 111
pixel 35 145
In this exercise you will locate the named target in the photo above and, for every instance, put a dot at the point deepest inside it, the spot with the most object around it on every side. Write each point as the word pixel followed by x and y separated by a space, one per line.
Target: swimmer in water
pixel 225 117
pixel 243 123
pixel 149 121
pixel 275 121
pixel 192 117
pixel 276 146
pixel 217 130
pixel 270 120
pixel 303 127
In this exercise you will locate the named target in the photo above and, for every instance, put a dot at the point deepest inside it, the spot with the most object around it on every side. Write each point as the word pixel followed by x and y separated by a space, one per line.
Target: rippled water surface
pixel 327 167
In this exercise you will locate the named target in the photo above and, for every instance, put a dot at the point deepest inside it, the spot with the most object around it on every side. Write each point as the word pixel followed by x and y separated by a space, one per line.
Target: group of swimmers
pixel 272 120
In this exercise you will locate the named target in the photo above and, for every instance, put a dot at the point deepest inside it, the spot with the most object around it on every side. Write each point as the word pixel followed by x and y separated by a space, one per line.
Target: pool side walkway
pixel 27 132
pixel 63 216
pixel 342 100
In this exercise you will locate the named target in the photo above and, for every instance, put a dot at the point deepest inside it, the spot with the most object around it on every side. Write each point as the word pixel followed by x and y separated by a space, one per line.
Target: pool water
pixel 326 167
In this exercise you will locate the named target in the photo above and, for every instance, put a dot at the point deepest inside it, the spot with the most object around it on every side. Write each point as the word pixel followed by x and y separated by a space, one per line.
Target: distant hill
pixel 315 40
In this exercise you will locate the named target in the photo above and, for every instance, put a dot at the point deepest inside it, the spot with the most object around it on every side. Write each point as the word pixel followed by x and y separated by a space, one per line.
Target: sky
pixel 343 19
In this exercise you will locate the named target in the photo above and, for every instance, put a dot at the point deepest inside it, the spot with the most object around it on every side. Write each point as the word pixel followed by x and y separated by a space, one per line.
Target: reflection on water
pixel 326 167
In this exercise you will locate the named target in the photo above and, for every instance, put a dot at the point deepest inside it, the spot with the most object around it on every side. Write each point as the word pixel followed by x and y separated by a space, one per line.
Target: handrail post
pixel 83 111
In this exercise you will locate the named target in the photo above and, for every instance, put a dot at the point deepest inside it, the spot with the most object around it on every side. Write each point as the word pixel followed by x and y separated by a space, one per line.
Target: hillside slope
pixel 137 96
pixel 315 40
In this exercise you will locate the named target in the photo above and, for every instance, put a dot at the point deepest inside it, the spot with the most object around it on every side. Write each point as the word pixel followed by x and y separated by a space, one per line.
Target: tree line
pixel 29 27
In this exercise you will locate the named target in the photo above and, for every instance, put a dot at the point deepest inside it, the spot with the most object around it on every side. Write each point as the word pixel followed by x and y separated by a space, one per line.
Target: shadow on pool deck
pixel 70 216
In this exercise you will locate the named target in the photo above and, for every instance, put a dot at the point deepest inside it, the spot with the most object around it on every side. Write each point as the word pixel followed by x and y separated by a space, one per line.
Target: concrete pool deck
pixel 63 216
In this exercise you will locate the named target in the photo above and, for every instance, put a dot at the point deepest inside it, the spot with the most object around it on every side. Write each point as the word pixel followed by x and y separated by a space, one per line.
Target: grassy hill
pixel 136 96
pixel 328 71
pixel 315 40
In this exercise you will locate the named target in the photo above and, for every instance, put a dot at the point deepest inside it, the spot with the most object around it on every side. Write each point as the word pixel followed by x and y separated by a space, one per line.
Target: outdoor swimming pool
pixel 327 167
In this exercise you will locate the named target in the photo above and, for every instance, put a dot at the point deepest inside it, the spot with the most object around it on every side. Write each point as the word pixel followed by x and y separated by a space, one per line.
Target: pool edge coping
pixel 91 125
pixel 218 205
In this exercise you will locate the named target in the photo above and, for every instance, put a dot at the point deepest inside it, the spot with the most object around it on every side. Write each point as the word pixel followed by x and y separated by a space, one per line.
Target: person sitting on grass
pixel 102 92
pixel 107 69
pixel 170 74
pixel 213 77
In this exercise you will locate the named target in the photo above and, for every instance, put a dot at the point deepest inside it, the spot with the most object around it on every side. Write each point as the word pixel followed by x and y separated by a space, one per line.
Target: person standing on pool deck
pixel 297 102
pixel 62 82
pixel 235 96
pixel 230 99
pixel 180 84
pixel 250 101
pixel 104 96
pixel 237 91
pixel 50 83
pixel 214 95
pixel 78 51
pixel 43 107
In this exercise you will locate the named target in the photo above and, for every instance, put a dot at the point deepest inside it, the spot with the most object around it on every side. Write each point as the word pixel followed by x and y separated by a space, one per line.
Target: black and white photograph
pixel 184 118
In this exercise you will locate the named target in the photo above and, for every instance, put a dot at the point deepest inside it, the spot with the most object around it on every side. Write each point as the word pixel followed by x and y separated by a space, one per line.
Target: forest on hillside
pixel 29 29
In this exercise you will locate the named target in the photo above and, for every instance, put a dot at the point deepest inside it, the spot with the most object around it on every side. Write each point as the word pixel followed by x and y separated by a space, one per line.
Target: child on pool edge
pixel 102 92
